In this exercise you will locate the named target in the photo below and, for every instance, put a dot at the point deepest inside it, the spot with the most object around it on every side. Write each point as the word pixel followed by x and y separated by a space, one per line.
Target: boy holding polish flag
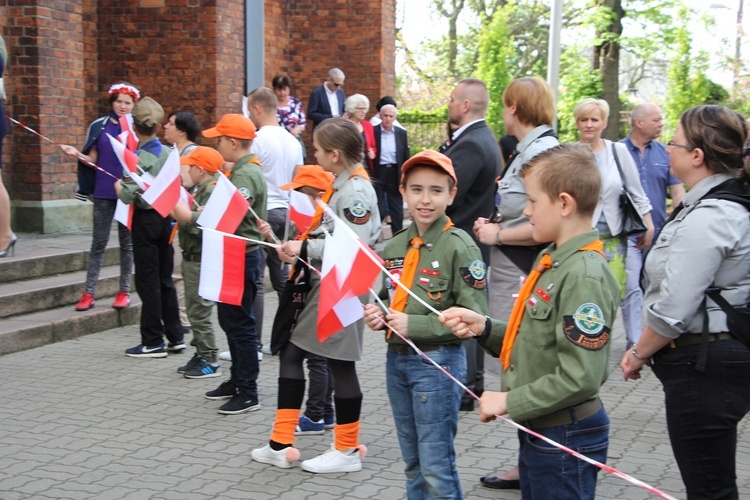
pixel 234 135
pixel 152 250
pixel 443 266
pixel 199 170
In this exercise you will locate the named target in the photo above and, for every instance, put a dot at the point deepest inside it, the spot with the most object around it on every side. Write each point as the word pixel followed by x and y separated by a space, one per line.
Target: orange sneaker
pixel 122 300
pixel 86 302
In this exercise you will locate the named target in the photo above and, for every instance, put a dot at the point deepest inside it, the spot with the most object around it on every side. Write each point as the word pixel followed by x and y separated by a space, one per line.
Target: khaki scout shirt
pixel 190 234
pixel 250 181
pixel 149 163
pixel 450 273
pixel 561 355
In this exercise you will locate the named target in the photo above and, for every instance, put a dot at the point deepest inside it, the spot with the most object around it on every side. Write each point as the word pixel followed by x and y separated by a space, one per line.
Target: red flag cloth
pixel 127 137
pixel 124 214
pixel 164 193
pixel 225 209
pixel 349 269
pixel 301 210
pixel 128 159
pixel 222 268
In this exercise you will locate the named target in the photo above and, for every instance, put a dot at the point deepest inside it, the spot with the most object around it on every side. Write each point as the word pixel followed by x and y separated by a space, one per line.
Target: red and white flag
pixel 127 136
pixel 128 159
pixel 301 210
pixel 225 209
pixel 222 268
pixel 164 193
pixel 349 269
pixel 124 214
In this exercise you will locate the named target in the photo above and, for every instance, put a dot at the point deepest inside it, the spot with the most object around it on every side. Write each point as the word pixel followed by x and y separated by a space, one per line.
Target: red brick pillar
pixel 45 92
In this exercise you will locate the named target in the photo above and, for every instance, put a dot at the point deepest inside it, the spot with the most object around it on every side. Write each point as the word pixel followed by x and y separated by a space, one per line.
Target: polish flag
pixel 124 214
pixel 301 210
pixel 164 193
pixel 222 268
pixel 349 269
pixel 127 136
pixel 128 159
pixel 225 209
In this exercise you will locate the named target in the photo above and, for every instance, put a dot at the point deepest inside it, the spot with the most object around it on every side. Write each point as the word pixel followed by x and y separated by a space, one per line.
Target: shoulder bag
pixel 632 220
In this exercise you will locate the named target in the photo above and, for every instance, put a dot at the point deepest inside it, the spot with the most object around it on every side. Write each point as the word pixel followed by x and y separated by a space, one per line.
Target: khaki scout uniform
pixel 198 309
pixel 450 273
pixel 354 201
pixel 251 183
pixel 561 355
pixel 150 164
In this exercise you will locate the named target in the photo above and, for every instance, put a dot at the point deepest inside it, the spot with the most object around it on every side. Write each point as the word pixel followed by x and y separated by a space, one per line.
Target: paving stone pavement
pixel 80 420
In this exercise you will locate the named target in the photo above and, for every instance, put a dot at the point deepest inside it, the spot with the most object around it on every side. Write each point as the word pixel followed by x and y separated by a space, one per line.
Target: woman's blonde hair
pixel 534 100
pixel 589 105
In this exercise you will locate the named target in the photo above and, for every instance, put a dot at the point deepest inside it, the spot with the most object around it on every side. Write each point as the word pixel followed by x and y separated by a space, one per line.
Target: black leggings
pixel 345 381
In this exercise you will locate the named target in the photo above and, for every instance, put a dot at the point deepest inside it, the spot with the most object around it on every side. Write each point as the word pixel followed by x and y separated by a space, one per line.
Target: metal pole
pixel 737 47
pixel 553 57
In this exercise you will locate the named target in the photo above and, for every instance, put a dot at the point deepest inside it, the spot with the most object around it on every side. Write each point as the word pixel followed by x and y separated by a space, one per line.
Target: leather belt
pixel 387 165
pixel 191 257
pixel 695 338
pixel 406 349
pixel 567 415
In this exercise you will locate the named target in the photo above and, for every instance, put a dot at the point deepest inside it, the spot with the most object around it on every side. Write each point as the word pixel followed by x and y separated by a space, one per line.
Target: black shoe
pixel 467 404
pixel 193 361
pixel 496 483
pixel 225 391
pixel 239 404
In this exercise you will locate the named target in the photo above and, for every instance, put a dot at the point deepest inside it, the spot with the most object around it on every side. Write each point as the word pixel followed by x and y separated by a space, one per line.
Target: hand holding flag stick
pixel 230 235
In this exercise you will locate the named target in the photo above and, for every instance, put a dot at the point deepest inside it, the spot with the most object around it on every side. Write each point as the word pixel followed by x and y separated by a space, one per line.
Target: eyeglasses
pixel 337 85
pixel 675 145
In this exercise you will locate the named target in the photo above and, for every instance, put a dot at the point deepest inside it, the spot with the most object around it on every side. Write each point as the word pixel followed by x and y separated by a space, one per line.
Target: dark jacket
pixel 86 174
pixel 402 149
pixel 476 160
pixel 318 109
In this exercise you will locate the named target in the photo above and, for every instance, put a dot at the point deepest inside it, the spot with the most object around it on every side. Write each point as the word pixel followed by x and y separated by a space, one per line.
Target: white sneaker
pixel 266 455
pixel 334 461
pixel 226 356
pixel 266 349
pixel 260 356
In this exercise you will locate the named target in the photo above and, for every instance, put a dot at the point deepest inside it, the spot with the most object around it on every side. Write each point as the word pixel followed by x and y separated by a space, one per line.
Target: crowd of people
pixel 514 261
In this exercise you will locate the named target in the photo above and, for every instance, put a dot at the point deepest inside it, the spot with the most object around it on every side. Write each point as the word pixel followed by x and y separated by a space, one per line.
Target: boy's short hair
pixel 433 160
pixel 568 168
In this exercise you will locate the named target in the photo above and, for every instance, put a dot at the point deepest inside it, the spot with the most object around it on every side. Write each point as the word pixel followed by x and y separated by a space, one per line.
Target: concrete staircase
pixel 40 286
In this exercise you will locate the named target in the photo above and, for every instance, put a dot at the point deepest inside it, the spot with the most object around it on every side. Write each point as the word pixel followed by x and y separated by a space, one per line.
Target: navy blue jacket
pixel 318 109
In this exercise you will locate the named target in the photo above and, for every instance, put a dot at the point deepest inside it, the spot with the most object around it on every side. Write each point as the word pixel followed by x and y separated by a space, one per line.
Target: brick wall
pixel 186 54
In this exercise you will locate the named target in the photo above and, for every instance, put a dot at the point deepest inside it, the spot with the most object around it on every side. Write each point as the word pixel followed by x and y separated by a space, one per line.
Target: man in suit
pixel 392 151
pixel 327 100
pixel 476 160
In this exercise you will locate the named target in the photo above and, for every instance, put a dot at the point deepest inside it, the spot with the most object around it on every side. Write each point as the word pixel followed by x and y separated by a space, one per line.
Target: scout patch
pixel 357 213
pixel 586 327
pixel 475 275
pixel 245 192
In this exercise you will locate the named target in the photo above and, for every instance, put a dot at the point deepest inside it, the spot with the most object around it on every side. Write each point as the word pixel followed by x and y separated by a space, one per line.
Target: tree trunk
pixel 606 58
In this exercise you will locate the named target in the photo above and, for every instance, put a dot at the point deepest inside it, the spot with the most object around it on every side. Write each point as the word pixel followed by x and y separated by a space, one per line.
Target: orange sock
pixel 284 425
pixel 346 436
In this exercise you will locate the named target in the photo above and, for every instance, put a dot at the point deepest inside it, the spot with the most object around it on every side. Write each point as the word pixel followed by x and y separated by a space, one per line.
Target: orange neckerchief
pixel 511 332
pixel 317 215
pixel 411 262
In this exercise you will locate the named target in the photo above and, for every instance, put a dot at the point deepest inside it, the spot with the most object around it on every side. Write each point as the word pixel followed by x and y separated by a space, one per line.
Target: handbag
pixel 291 303
pixel 632 221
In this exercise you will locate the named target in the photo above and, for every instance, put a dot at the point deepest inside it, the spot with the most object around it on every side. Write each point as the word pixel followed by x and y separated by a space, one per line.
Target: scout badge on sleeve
pixel 586 327
pixel 357 213
pixel 475 275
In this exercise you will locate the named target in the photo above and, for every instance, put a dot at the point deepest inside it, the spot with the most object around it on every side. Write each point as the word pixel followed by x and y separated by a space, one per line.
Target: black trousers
pixel 386 188
pixel 703 410
pixel 154 260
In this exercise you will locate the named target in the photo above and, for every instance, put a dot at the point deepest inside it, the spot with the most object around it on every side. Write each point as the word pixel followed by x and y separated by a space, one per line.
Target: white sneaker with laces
pixel 226 356
pixel 267 455
pixel 266 349
pixel 334 461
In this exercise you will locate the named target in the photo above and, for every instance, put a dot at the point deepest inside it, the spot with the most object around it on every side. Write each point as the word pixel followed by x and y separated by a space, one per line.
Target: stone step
pixel 47 261
pixel 49 292
pixel 28 331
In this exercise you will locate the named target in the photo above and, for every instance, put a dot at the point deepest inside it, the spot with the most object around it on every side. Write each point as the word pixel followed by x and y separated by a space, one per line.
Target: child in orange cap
pixel 199 169
pixel 234 134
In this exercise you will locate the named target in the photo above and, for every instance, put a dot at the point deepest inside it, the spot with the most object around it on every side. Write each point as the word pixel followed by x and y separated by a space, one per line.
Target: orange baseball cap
pixel 311 175
pixel 208 159
pixel 232 125
pixel 429 157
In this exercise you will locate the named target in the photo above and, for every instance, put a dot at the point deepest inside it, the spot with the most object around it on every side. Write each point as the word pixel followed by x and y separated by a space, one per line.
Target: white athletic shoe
pixel 226 356
pixel 334 461
pixel 266 455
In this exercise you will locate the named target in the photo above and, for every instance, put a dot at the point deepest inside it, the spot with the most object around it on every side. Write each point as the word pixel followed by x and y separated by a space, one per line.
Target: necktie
pixel 511 332
pixel 411 261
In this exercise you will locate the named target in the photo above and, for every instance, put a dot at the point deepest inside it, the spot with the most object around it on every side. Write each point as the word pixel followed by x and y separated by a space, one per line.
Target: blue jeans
pixel 238 322
pixel 549 473
pixel 425 409
pixel 703 411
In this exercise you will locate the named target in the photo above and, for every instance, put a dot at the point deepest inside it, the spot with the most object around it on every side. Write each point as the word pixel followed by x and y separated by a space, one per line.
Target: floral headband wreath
pixel 124 88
